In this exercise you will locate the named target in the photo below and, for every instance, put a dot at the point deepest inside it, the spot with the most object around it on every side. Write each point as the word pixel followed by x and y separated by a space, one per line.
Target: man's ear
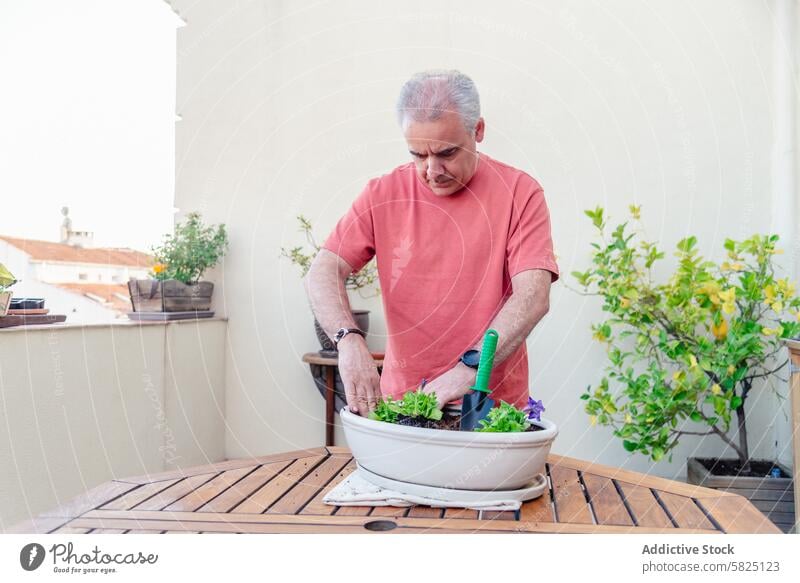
pixel 480 127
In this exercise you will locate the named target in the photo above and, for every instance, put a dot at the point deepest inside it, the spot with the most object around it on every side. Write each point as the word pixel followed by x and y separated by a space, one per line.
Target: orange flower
pixel 159 268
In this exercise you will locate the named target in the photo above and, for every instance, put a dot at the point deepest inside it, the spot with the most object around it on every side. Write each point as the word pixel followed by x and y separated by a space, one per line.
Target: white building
pixel 87 284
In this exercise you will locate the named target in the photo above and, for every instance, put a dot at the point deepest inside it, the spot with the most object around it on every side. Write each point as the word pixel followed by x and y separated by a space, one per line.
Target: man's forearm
pixel 518 317
pixel 327 295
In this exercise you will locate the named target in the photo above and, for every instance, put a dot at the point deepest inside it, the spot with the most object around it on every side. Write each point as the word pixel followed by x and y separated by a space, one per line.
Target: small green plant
pixel 192 250
pixel 6 278
pixel 366 277
pixel 386 411
pixel 413 404
pixel 505 419
pixel 689 350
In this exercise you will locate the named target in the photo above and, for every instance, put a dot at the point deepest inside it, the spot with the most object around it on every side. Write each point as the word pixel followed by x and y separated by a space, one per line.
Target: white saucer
pixel 534 490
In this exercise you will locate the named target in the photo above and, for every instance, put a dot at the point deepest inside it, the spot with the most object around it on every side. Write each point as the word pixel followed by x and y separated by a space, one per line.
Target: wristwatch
pixel 342 332
pixel 471 358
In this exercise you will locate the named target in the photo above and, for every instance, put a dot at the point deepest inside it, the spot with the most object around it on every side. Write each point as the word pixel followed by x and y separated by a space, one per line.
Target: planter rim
pixel 453 437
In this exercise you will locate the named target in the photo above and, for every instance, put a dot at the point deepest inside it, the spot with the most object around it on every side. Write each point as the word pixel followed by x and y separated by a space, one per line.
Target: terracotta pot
pixel 170 295
pixel 464 460
pixel 5 302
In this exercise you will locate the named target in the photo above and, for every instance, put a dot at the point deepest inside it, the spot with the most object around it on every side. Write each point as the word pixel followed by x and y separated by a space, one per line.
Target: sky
pixel 87 119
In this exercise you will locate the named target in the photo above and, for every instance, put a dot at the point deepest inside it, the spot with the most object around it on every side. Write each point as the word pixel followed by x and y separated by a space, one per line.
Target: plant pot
pixel 328 348
pixel 774 497
pixel 5 302
pixel 170 295
pixel 464 460
pixel 27 304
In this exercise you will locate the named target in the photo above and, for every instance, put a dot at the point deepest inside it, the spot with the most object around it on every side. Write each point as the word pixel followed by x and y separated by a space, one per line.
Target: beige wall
pixel 286 108
pixel 82 405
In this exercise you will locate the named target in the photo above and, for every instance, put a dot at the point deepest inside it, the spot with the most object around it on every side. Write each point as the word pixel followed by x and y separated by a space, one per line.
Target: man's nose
pixel 435 167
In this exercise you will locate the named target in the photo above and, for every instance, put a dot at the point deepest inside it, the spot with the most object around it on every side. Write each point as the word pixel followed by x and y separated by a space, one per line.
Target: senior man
pixel 463 244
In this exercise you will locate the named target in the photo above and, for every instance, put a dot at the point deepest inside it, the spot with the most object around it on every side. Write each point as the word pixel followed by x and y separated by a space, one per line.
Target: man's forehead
pixel 430 146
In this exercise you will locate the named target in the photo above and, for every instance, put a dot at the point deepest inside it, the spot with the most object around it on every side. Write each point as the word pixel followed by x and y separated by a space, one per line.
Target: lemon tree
pixel 684 354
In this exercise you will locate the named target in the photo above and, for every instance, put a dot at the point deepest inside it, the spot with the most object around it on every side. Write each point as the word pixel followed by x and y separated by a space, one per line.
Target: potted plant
pixel 180 262
pixel 366 277
pixel 411 440
pixel 6 281
pixel 686 354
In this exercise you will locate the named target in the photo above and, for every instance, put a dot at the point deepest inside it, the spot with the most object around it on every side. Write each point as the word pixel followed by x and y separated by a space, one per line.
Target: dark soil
pixel 731 467
pixel 447 422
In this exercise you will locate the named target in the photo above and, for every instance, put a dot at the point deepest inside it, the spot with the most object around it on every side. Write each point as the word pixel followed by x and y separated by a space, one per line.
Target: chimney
pixel 73 238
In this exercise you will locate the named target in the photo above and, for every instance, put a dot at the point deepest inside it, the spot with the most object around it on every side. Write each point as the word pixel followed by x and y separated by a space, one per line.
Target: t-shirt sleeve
pixel 530 243
pixel 353 238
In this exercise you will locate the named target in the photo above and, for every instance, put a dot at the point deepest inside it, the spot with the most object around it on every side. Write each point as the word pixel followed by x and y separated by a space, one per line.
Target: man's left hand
pixel 451 385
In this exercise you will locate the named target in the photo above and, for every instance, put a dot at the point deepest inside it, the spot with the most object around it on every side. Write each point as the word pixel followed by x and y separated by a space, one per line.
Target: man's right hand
pixel 362 384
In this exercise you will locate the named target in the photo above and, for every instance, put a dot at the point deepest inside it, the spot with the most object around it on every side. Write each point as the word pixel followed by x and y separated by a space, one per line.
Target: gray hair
pixel 429 94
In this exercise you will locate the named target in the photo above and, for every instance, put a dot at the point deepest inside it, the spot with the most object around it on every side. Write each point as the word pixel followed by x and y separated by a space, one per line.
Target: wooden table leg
pixel 330 399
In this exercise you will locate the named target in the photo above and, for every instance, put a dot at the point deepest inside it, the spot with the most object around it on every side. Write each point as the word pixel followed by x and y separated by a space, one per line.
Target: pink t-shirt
pixel 445 265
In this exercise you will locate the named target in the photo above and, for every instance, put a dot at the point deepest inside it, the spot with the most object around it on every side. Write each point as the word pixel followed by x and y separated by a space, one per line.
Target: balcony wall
pixel 81 405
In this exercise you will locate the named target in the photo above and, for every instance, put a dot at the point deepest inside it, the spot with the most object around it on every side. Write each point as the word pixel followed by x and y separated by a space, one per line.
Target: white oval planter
pixel 465 460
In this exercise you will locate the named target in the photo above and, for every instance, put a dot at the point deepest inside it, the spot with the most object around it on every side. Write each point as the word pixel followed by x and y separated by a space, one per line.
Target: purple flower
pixel 534 409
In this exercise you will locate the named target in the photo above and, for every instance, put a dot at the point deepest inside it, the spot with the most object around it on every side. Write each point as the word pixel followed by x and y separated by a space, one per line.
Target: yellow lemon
pixel 720 332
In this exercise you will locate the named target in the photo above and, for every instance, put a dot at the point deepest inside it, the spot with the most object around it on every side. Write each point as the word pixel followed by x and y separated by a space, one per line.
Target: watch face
pixel 471 358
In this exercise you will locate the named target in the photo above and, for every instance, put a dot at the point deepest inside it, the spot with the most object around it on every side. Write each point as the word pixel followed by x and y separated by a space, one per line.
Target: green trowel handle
pixel 487 361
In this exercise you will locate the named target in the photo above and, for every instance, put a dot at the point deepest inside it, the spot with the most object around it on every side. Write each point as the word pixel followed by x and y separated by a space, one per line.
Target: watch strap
pixel 342 332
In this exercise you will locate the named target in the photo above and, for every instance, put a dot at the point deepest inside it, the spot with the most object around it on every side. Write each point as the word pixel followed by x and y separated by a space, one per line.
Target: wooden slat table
pixel 283 494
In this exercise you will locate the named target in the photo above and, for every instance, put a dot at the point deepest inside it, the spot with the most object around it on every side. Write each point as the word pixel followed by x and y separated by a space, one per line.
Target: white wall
pixel 286 108
pixel 56 272
pixel 84 405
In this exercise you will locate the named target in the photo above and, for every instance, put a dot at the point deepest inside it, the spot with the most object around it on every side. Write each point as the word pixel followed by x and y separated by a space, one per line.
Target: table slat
pixel 570 503
pixel 606 501
pixel 737 515
pixel 316 505
pixel 389 511
pixel 539 509
pixel 239 491
pixel 71 530
pixel 461 513
pixel 684 511
pixel 178 490
pixel 266 496
pixel 201 496
pixel 309 486
pixel 139 495
pixel 645 507
pixel 424 512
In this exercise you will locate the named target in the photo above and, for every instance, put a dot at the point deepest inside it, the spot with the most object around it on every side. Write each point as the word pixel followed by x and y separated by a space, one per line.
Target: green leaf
pixel 630 445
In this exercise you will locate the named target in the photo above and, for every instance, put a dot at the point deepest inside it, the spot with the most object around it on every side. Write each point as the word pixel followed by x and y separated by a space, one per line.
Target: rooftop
pixel 51 251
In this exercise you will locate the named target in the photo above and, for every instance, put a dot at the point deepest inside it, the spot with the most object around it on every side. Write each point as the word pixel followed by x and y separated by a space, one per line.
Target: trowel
pixel 476 404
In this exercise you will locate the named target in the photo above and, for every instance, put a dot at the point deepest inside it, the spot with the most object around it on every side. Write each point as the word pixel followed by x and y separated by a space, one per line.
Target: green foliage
pixel 687 350
pixel 413 404
pixel 193 248
pixel 366 277
pixel 386 410
pixel 504 419
pixel 6 278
